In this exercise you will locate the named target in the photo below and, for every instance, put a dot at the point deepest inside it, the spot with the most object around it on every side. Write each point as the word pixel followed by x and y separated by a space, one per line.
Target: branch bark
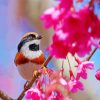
pixel 92 53
pixel 4 96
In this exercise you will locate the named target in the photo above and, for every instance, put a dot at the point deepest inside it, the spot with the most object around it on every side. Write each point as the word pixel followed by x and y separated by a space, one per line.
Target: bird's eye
pixel 34 47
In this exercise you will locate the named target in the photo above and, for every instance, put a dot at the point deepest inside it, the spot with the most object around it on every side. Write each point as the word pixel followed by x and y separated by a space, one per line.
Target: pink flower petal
pixel 82 69
pixel 33 94
pixel 74 85
pixel 97 75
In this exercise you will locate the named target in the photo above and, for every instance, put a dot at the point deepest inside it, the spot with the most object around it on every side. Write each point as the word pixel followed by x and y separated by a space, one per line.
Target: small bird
pixel 29 56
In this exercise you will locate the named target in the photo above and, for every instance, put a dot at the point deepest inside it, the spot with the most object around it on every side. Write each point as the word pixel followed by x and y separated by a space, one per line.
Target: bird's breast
pixel 26 70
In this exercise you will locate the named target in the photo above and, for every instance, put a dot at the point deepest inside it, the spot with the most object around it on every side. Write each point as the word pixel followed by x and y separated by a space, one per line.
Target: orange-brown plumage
pixel 39 60
pixel 21 59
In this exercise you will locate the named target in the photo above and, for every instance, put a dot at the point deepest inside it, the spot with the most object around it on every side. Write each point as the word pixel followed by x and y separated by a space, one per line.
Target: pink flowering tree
pixel 76 32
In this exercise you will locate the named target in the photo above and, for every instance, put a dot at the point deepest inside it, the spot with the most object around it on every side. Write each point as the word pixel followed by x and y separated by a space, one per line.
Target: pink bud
pixel 97 75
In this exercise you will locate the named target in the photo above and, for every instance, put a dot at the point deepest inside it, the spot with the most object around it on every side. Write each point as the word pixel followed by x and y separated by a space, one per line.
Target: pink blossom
pixel 66 4
pixel 55 96
pixel 91 21
pixel 96 30
pixel 97 75
pixel 33 94
pixel 77 35
pixel 54 15
pixel 71 29
pixel 82 69
pixel 59 48
pixel 74 85
pixel 36 92
pixel 56 91
pixel 50 17
pixel 70 40
pixel 96 43
pixel 57 77
pixel 70 37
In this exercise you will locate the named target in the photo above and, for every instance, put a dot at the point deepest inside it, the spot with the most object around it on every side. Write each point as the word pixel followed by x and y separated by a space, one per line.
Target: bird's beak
pixel 39 37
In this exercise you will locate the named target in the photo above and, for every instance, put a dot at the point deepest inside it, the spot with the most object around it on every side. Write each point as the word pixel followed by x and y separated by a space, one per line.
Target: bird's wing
pixel 20 59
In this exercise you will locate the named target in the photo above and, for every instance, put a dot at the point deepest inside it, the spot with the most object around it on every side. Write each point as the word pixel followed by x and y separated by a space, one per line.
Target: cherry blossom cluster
pixel 53 85
pixel 75 31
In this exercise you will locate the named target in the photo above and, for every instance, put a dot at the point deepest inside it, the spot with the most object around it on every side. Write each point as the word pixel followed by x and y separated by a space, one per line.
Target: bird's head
pixel 29 45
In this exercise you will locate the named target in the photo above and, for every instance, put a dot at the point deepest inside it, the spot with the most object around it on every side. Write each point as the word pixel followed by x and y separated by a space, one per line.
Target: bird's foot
pixel 35 73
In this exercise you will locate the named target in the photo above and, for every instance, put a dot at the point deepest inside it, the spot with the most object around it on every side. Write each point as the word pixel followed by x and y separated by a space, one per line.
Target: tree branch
pixel 92 53
pixel 4 96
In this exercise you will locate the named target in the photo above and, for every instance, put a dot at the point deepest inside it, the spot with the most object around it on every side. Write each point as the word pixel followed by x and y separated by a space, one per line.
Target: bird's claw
pixel 35 73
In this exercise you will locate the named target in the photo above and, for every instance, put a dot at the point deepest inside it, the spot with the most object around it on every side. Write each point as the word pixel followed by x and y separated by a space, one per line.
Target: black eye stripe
pixel 34 47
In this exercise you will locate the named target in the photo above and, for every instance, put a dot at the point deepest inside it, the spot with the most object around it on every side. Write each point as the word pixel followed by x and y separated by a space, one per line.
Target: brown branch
pixel 34 78
pixel 4 96
pixel 92 53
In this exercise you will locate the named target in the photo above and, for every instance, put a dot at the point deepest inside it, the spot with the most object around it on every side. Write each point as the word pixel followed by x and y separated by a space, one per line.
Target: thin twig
pixel 69 63
pixel 62 67
pixel 34 78
pixel 4 96
pixel 92 53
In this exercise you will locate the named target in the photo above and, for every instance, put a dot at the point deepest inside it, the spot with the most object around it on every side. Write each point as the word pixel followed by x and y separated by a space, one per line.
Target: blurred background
pixel 18 17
